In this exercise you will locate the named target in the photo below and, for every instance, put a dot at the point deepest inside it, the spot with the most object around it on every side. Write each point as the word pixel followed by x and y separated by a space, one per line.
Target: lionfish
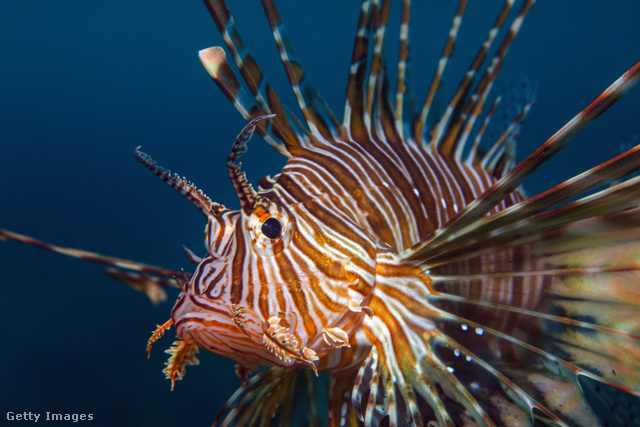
pixel 398 253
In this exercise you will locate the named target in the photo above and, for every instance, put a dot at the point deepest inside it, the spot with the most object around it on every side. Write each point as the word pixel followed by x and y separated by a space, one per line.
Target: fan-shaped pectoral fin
pixel 279 396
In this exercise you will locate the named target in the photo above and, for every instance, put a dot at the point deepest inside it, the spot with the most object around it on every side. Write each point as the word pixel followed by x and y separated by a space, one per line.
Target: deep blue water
pixel 82 83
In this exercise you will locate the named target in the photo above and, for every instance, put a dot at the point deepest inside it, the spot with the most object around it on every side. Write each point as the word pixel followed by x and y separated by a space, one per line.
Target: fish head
pixel 285 282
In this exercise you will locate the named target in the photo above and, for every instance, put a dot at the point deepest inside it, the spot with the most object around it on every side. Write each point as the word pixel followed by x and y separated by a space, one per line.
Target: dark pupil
pixel 272 228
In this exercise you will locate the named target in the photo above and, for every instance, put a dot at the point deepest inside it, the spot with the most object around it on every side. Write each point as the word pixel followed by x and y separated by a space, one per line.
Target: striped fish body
pixel 409 264
pixel 346 210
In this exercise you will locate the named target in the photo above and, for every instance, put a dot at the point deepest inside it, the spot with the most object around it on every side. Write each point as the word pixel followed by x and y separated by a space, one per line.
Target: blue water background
pixel 82 83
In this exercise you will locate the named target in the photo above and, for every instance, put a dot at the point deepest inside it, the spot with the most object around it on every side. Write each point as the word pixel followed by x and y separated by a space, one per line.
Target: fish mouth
pixel 223 329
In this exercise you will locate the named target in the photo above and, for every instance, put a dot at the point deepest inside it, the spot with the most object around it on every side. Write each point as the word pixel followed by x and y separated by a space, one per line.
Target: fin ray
pixel 317 113
pixel 455 227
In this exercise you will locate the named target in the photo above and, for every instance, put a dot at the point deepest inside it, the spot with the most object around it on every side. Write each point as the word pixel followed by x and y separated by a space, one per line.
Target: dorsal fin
pixel 468 113
pixel 215 62
pixel 384 126
pixel 475 156
pixel 404 96
pixel 461 224
pixel 285 125
pixel 419 123
pixel 376 68
pixel 516 218
pixel 355 117
pixel 504 145
pixel 451 116
pixel 317 113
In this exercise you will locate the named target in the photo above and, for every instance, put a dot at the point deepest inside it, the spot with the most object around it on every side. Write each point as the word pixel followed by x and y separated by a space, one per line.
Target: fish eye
pixel 272 228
